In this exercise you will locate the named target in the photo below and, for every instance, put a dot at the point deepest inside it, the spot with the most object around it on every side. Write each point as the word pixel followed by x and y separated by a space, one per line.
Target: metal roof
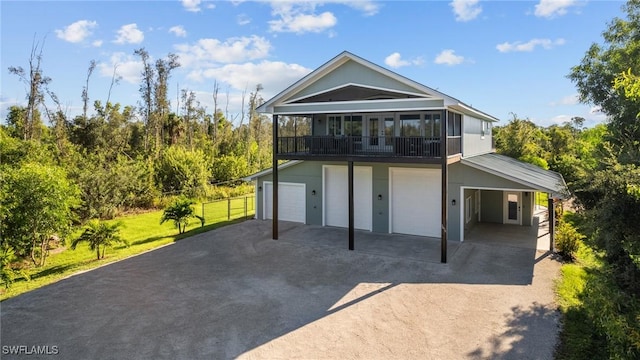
pixel 270 170
pixel 520 172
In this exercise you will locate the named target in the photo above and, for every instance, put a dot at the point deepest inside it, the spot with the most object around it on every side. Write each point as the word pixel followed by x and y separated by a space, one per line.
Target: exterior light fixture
pixel 453 202
pixel 379 196
pixel 259 188
pixel 313 192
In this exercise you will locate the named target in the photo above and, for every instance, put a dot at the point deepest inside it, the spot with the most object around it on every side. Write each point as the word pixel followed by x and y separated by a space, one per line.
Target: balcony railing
pixel 403 146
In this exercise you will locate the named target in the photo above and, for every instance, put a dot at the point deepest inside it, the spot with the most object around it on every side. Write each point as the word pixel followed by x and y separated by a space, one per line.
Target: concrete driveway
pixel 235 293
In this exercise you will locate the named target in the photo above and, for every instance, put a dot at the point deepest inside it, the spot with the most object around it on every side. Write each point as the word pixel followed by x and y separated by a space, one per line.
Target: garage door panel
pixel 336 196
pixel 291 202
pixel 415 201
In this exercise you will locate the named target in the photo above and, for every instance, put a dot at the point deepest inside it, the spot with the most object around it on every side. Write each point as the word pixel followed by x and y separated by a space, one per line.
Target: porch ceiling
pixel 520 172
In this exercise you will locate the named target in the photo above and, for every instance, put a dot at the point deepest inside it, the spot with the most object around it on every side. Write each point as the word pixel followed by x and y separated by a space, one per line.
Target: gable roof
pixel 520 172
pixel 398 84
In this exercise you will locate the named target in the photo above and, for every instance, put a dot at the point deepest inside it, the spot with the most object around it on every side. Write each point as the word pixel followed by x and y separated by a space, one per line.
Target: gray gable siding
pixel 473 143
pixel 352 72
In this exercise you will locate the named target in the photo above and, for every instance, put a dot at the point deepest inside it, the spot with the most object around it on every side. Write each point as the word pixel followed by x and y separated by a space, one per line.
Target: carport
pixel 508 210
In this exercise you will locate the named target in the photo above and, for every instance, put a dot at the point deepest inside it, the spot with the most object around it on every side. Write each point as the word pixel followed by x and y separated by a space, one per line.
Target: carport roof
pixel 520 172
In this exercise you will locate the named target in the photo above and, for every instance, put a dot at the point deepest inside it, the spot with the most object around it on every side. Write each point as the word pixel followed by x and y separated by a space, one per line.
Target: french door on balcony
pixel 379 132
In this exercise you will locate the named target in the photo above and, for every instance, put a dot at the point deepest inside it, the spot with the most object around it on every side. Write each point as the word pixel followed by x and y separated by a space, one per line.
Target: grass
pixel 599 320
pixel 143 232
pixel 579 338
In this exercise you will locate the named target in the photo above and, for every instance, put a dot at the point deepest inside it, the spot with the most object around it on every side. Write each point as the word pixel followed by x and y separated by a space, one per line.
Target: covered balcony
pixel 400 136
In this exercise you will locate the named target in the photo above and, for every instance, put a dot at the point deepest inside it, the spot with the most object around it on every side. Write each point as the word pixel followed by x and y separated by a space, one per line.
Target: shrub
pixel 567 240
pixel 99 234
pixel 180 212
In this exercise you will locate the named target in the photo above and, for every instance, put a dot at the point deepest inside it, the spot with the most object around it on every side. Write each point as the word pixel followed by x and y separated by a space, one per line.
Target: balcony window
pixel 335 125
pixel 353 125
pixel 410 125
pixel 432 125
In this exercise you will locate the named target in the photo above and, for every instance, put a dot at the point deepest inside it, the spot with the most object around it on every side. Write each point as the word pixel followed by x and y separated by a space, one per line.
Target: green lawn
pixel 142 231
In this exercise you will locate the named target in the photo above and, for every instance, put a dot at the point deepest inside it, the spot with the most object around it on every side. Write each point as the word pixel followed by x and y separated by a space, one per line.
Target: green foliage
pixel 36 203
pixel 520 139
pixel 179 170
pixel 180 212
pixel 567 240
pixel 629 83
pixel 227 168
pixel 100 235
pixel 7 272
pixel 109 187
pixel 601 66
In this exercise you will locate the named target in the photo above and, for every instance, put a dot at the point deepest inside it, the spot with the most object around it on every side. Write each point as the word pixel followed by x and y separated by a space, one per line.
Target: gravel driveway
pixel 235 293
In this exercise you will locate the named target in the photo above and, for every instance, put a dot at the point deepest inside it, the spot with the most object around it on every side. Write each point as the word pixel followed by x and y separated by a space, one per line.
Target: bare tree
pixel 85 89
pixel 35 82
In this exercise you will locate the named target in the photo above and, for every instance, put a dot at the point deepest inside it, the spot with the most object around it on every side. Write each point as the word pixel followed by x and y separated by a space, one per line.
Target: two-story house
pixel 369 149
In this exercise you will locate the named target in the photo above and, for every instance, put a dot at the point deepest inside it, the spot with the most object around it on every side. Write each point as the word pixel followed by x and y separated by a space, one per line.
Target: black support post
pixel 275 178
pixel 351 208
pixel 445 179
pixel 552 222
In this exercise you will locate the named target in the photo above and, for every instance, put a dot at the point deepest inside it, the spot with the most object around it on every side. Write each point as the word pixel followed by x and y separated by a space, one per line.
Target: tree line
pixel 59 170
pixel 601 166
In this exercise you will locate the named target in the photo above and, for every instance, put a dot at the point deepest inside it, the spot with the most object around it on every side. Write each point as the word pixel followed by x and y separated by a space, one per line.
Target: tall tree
pixel 598 71
pixel 36 81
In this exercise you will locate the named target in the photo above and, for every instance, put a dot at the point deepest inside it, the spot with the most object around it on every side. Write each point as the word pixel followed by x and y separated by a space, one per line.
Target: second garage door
pixel 336 196
pixel 414 204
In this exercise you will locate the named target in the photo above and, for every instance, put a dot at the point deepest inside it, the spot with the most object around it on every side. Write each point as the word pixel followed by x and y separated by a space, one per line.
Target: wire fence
pixel 241 207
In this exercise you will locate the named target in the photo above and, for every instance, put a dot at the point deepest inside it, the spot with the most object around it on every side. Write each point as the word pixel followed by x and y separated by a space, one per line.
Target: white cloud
pixel 273 75
pixel 77 32
pixel 191 5
pixel 567 100
pixel 395 60
pixel 129 34
pixel 552 8
pixel 448 57
pixel 301 23
pixel 127 66
pixel 465 10
pixel 178 31
pixel 243 19
pixel 232 50
pixel 97 43
pixel 529 45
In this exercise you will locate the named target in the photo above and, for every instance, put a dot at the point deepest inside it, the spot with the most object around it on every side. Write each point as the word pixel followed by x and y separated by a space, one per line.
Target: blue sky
pixel 501 57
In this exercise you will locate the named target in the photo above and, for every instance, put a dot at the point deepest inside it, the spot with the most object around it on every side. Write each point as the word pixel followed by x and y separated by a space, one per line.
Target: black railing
pixel 394 146
pixel 454 145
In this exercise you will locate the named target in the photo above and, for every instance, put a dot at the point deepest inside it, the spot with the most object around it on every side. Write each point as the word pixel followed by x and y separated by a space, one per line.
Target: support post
pixel 552 222
pixel 274 227
pixel 351 208
pixel 445 179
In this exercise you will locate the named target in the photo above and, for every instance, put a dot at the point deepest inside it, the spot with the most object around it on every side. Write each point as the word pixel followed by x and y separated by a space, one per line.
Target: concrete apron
pixel 418 248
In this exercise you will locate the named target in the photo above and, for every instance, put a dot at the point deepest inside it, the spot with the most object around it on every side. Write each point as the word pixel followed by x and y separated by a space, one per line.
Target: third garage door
pixel 414 204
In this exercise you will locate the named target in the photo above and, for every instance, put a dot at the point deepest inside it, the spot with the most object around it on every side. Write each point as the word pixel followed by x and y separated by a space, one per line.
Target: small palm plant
pixel 180 211
pixel 100 235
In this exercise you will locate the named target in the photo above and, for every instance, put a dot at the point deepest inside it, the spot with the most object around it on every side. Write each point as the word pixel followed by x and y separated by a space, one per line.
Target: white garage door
pixel 291 202
pixel 414 204
pixel 336 196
